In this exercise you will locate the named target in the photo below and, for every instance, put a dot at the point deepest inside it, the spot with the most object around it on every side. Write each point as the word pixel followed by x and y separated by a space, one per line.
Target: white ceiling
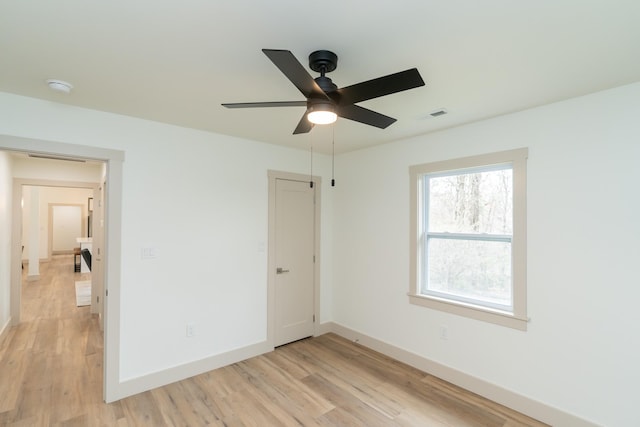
pixel 176 62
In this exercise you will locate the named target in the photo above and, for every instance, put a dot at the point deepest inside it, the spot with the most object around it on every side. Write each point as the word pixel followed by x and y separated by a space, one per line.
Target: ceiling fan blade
pixel 363 115
pixel 295 72
pixel 381 86
pixel 304 125
pixel 265 104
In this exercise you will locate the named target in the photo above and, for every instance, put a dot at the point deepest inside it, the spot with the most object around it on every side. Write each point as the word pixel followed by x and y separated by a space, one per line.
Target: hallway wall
pixel 51 195
pixel 6 195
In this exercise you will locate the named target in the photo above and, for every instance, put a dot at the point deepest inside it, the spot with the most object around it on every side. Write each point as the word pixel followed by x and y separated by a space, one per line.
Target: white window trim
pixel 518 159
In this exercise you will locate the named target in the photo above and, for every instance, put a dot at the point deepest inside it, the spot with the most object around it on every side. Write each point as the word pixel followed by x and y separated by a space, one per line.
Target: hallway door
pixel 99 254
pixel 294 258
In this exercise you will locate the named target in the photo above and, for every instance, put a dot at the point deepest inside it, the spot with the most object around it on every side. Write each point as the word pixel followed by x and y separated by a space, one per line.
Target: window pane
pixel 470 269
pixel 472 202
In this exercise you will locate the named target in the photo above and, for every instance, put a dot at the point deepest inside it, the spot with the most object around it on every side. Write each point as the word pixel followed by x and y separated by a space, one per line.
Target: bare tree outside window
pixel 469 229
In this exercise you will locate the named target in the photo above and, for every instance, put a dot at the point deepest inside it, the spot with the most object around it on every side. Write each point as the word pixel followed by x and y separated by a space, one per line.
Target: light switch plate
pixel 149 253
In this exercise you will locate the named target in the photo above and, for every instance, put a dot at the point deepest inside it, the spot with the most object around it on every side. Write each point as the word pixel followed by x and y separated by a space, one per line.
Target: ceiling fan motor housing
pixel 326 84
pixel 314 104
pixel 323 61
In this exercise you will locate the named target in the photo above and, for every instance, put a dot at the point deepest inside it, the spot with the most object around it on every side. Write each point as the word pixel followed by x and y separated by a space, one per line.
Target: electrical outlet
pixel 191 329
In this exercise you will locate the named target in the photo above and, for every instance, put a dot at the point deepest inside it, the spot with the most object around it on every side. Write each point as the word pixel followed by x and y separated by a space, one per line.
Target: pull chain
pixel 311 161
pixel 333 154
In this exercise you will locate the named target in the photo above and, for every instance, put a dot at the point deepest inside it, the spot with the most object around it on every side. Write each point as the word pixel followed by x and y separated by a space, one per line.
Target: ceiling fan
pixel 325 101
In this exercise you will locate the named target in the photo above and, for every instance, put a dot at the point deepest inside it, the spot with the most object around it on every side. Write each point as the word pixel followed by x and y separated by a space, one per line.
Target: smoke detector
pixel 59 86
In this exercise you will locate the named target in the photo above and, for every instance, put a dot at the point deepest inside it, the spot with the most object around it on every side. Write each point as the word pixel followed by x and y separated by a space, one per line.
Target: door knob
pixel 279 270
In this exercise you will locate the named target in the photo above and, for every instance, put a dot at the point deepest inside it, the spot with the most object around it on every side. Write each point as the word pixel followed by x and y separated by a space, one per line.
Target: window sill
pixel 471 311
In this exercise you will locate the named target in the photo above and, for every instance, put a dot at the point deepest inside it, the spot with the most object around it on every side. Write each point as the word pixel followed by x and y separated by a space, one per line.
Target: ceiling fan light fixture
pixel 322 114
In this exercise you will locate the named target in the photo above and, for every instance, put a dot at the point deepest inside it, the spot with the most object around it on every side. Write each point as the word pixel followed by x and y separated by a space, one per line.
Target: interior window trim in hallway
pixel 435 229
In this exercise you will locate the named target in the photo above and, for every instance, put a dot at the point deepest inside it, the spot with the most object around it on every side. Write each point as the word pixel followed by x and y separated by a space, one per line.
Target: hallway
pixel 51 364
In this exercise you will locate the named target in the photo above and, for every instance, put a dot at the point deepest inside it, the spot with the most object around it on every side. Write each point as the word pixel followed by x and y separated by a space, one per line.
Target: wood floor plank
pixel 202 402
pixel 51 375
pixel 290 407
pixel 262 373
pixel 179 406
pixel 293 366
pixel 41 419
pixel 142 410
pixel 248 411
pixel 346 403
pixel 367 393
pixel 13 367
pixel 222 381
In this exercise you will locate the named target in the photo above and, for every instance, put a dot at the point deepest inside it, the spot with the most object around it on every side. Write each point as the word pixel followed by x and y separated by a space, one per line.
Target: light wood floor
pixel 51 375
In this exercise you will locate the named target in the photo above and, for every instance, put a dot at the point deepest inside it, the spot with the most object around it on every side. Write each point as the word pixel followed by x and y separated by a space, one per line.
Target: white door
pixel 294 259
pixel 97 254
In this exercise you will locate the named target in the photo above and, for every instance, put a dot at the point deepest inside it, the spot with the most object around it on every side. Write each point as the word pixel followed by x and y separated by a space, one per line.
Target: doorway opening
pixel 112 160
pixel 55 220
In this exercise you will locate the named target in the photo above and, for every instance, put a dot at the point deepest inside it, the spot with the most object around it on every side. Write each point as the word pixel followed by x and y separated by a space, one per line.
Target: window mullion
pixel 507 238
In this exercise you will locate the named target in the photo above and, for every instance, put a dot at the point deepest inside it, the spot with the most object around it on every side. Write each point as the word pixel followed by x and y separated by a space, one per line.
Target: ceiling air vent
pixel 47 156
pixel 438 113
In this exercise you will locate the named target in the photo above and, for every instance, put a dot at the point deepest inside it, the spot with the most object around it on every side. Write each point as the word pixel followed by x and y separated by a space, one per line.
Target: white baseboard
pixel 158 379
pixel 5 330
pixel 523 404
pixel 508 398
pixel 325 328
pixel 161 378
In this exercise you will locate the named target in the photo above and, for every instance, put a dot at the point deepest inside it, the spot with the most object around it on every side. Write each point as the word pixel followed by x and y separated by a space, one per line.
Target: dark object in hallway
pixel 76 260
pixel 87 257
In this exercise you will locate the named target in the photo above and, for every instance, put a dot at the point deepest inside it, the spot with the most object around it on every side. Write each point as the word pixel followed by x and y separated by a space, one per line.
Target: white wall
pixel 201 200
pixel 581 350
pixel 194 194
pixel 51 195
pixel 35 168
pixel 5 242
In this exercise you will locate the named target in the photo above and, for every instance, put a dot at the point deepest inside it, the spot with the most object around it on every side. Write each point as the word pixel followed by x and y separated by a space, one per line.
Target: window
pixel 468 237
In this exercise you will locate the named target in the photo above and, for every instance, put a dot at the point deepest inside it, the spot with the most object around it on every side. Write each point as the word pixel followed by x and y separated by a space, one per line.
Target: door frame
pixel 274 175
pixel 18 186
pixel 114 159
